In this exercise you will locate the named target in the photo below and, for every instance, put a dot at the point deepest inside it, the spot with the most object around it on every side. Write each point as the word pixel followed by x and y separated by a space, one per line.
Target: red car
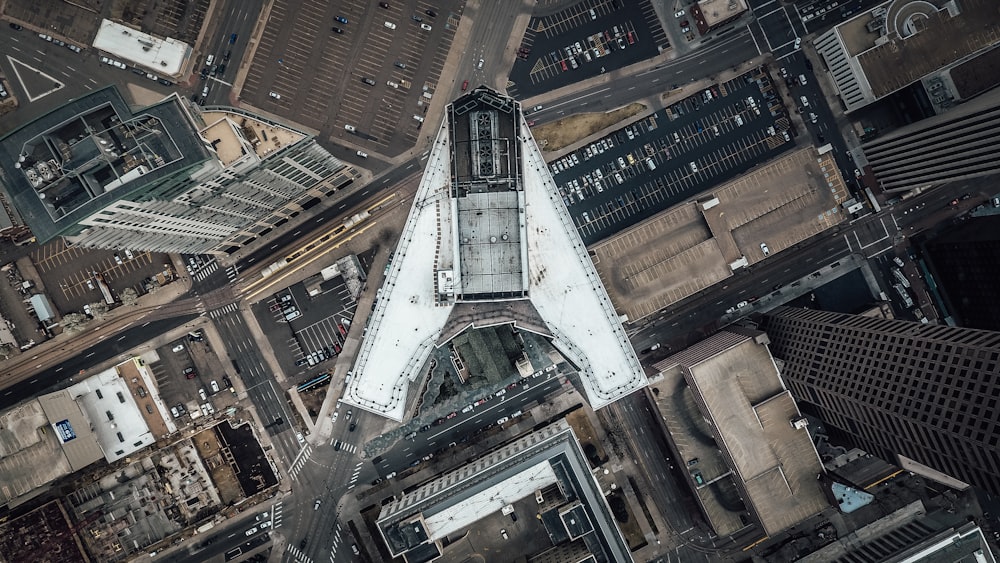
pixel 465 85
pixel 563 63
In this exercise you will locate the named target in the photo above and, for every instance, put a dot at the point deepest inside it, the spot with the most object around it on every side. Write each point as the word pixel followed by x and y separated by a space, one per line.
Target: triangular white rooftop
pixel 489 240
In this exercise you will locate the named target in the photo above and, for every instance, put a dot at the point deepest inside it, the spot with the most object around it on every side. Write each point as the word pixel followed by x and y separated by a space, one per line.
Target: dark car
pixel 352 427
pixel 368 81
pixel 399 64
pixel 232 38
pixel 341 19
pixel 416 18
pixel 222 69
pixel 166 82
pixel 336 30
pixel 15 26
pixel 809 64
pixel 425 428
pixel 226 56
pixel 383 5
pixel 431 13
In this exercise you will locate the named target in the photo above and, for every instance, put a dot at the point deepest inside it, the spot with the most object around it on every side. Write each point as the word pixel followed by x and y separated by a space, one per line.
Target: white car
pixel 798 42
pixel 251 531
pixel 178 348
pixel 300 438
pixel 362 154
pixel 335 415
pixel 390 25
pixel 679 14
pixel 316 505
pixel 119 64
pixel 350 128
pixel 481 62
pixel 764 249
pixel 274 95
pixel 425 27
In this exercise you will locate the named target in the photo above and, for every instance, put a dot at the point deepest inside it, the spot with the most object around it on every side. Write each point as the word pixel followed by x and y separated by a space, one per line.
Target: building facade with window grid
pixel 923 391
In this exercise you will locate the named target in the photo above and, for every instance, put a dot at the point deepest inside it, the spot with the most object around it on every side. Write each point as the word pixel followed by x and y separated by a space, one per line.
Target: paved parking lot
pixel 347 82
pixel 584 40
pixel 673 155
pixel 68 272
pixel 320 325
pixel 176 388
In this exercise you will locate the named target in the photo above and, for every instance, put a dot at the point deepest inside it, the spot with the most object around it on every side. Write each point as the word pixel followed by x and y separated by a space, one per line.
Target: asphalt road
pixel 465 425
pixel 267 396
pixel 724 53
pixel 78 72
pixel 825 129
pixel 62 375
pixel 239 18
pixel 667 491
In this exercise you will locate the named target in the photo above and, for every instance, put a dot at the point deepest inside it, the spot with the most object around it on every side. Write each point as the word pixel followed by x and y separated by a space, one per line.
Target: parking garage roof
pixel 544 263
pixel 691 246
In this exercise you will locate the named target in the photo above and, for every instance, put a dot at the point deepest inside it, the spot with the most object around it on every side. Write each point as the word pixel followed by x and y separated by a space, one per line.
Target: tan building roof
pixel 72 428
pixel 735 384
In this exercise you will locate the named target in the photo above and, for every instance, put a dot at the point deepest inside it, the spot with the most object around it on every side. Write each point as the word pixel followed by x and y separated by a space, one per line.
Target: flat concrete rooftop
pixel 921 36
pixel 736 386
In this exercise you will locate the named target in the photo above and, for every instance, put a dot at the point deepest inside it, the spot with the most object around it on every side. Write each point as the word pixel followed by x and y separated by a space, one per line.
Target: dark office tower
pixel 965 262
pixel 956 145
pixel 923 392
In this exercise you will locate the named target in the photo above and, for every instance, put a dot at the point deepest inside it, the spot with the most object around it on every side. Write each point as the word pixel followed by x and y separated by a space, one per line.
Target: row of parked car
pixel 54 41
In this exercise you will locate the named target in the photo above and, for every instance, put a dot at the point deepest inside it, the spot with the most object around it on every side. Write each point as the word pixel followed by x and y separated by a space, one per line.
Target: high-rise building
pixel 489 242
pixel 965 263
pixel 896 46
pixel 956 145
pixel 169 177
pixel 905 391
